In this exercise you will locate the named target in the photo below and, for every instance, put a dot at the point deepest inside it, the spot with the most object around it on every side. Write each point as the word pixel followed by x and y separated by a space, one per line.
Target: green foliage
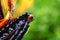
pixel 46 23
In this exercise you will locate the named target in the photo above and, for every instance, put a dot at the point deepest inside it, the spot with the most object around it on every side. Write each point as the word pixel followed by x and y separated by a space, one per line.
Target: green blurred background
pixel 46 23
